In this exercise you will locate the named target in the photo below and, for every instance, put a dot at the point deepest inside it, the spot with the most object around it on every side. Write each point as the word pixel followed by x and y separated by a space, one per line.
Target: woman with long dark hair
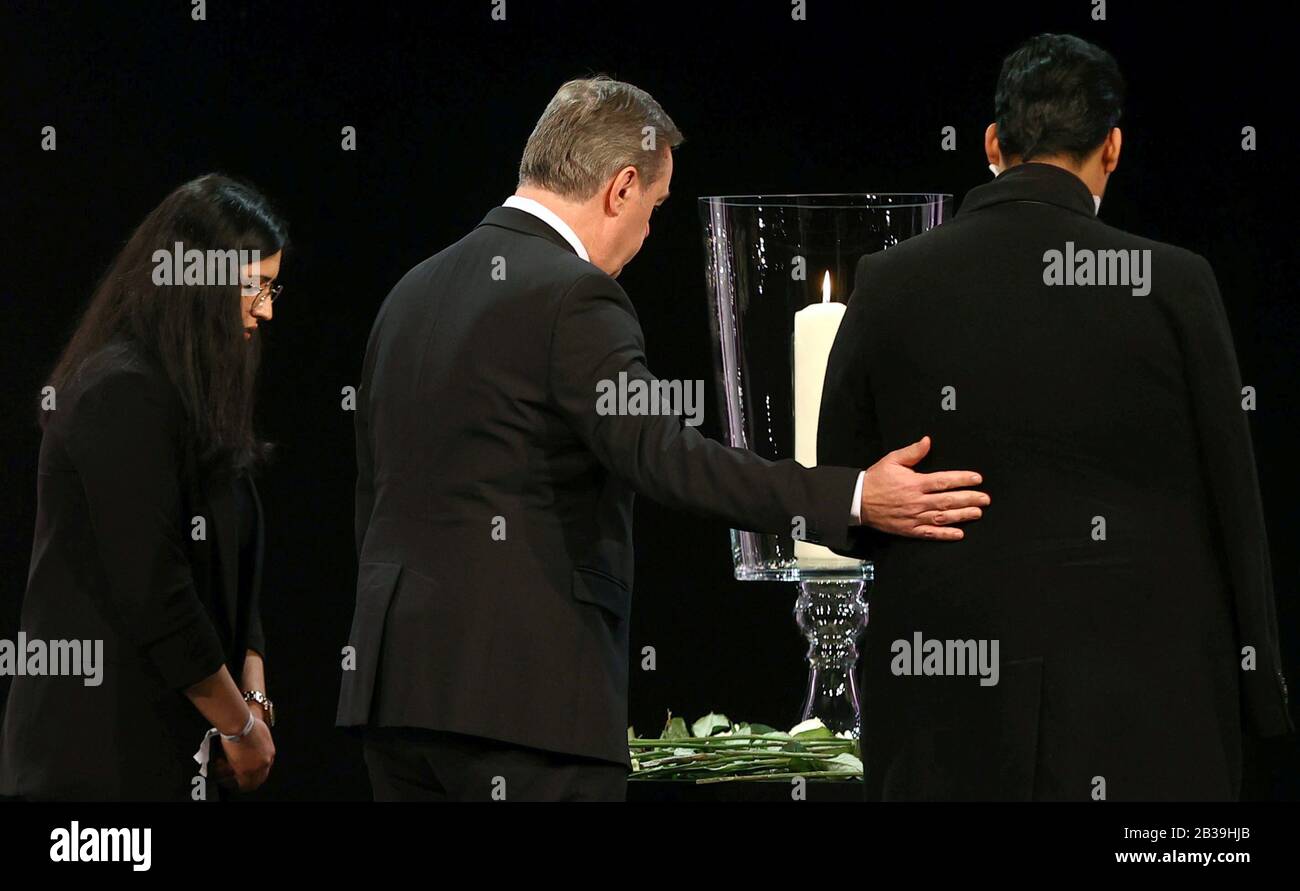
pixel 147 556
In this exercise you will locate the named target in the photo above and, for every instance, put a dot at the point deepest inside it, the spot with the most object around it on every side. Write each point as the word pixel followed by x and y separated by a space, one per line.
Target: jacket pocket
pixel 595 587
pixel 376 583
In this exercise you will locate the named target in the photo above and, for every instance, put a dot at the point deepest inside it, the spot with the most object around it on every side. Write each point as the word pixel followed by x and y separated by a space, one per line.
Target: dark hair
pixel 195 332
pixel 1057 95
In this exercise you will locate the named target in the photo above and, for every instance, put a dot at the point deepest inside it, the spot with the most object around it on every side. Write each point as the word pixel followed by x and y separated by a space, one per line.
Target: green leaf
pixel 710 724
pixel 675 729
pixel 815 733
pixel 852 762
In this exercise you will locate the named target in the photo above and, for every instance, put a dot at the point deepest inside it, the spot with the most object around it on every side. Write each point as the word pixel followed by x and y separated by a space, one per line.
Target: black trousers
pixel 415 764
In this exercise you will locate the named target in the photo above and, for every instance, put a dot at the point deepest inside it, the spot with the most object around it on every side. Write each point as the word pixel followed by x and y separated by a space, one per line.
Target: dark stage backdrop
pixel 443 98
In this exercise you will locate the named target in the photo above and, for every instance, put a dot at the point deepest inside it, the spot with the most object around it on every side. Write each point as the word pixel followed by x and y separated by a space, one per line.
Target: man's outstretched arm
pixel 595 339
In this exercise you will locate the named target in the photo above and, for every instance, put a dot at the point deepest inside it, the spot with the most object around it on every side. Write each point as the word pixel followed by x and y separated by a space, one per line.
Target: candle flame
pixel 826 287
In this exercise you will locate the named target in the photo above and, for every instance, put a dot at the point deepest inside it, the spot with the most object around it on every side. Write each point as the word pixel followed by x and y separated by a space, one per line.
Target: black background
pixel 443 98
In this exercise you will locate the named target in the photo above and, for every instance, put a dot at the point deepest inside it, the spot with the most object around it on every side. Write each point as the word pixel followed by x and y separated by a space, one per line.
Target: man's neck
pixel 577 216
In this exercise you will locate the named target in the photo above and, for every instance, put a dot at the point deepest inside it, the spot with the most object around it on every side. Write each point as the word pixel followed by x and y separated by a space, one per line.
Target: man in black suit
pixel 1123 573
pixel 494 495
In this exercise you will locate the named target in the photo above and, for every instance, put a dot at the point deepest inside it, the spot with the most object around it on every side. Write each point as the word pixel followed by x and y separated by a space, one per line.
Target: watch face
pixel 267 707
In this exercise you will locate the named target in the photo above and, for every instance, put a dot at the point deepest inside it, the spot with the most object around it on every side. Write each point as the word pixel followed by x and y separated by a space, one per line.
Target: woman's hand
pixel 250 758
pixel 253 677
pixel 221 702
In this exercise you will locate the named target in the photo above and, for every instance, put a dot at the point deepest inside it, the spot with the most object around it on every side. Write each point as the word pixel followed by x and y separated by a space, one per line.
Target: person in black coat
pixel 488 656
pixel 148 541
pixel 1121 569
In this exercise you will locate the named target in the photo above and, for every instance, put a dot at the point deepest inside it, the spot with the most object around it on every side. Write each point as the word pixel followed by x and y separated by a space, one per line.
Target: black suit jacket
pixel 114 560
pixel 494 503
pixel 1120 657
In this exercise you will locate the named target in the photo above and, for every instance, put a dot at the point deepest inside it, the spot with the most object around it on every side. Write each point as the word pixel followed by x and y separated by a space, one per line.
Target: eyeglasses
pixel 270 290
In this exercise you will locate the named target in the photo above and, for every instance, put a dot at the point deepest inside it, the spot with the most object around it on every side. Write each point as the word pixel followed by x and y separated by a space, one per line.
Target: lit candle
pixel 815 327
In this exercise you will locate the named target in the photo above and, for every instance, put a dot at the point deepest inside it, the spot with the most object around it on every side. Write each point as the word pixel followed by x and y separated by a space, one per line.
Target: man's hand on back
pixel 898 500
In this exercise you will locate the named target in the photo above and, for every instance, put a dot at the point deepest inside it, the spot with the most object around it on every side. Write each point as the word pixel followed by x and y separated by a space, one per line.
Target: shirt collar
pixel 548 216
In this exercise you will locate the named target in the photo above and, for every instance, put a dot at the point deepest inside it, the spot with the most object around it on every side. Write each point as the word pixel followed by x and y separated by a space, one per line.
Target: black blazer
pixel 477 414
pixel 1121 657
pixel 114 560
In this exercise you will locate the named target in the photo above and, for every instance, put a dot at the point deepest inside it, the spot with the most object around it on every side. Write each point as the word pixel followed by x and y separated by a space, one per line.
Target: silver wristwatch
pixel 260 698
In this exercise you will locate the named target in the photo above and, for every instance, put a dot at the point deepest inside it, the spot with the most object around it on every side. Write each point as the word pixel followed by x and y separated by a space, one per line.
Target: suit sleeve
pixel 256 636
pixel 847 432
pixel 365 488
pixel 120 441
pixel 1228 461
pixel 597 337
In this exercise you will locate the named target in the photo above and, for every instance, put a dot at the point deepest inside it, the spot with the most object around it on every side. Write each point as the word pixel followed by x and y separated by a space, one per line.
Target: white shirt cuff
pixel 856 510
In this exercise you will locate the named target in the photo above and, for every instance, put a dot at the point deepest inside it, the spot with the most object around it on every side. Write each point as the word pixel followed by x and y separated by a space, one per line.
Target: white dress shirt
pixel 552 219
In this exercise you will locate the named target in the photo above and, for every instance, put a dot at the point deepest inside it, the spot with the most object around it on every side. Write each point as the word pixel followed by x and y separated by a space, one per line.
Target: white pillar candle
pixel 815 327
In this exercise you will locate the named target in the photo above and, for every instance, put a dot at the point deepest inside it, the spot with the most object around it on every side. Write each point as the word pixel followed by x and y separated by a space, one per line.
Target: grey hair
pixel 591 129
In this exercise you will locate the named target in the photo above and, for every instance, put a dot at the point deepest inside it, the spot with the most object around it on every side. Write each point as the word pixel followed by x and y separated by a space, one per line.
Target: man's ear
pixel 1110 152
pixel 619 191
pixel 992 150
pixel 628 182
